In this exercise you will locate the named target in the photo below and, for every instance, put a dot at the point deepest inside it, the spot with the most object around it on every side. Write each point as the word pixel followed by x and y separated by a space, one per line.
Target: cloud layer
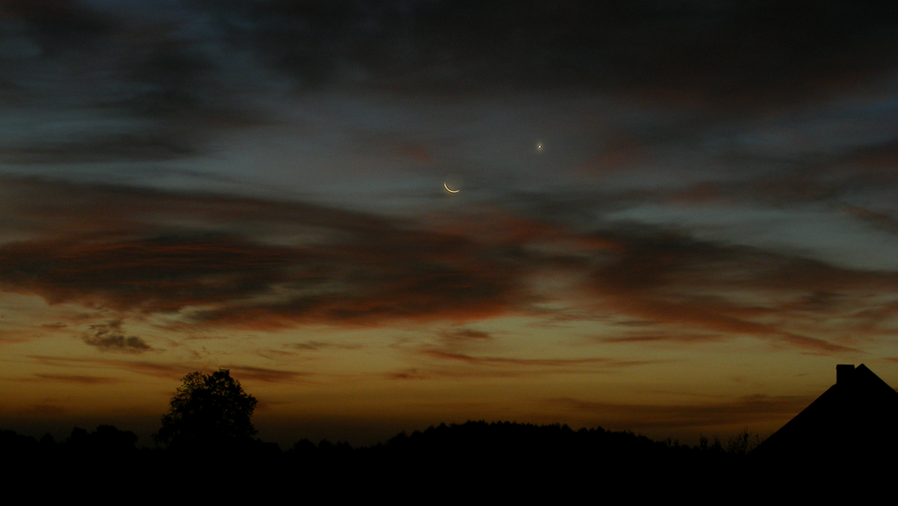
pixel 352 268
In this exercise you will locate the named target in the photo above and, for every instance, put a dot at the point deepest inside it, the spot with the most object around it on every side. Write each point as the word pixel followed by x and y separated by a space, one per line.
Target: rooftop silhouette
pixel 854 419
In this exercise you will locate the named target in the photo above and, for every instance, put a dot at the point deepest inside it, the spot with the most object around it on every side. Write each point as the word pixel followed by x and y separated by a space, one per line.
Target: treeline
pixel 511 457
pixel 444 443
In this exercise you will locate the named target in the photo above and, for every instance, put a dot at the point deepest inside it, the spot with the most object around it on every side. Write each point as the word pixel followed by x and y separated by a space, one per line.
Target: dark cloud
pixel 154 274
pixel 408 374
pixel 680 289
pixel 744 52
pixel 162 88
pixel 320 345
pixel 667 278
pixel 264 374
pixel 880 220
pixel 566 363
pixel 411 279
pixel 183 86
pixel 110 337
pixel 462 337
pixel 194 68
pixel 836 175
pixel 135 254
pixel 671 337
pixel 468 369
pixel 101 149
pixel 167 371
pixel 56 23
pixel 373 269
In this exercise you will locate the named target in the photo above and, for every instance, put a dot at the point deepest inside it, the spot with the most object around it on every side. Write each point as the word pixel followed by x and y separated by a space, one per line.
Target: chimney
pixel 844 372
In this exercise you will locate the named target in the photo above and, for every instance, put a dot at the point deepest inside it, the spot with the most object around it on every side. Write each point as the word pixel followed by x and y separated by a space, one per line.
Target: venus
pixel 450 190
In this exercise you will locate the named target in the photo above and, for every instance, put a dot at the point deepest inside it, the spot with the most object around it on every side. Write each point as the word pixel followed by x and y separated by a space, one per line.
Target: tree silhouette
pixel 208 411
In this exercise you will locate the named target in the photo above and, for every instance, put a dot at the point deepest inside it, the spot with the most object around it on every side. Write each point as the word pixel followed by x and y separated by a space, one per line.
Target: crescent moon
pixel 450 190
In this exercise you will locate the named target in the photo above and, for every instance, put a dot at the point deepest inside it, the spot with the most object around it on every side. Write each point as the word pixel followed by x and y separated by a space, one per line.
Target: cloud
pixel 166 371
pixel 747 410
pixel 141 89
pixel 129 250
pixel 669 279
pixel 879 220
pixel 757 52
pixel 461 337
pixel 469 353
pixel 671 337
pixel 110 337
pixel 155 274
pixel 100 148
pixel 344 267
pixel 58 20
pixel 321 345
pixel 735 55
pixel 450 364
pixel 408 374
pixel 160 86
pixel 78 379
pixel 264 374
pixel 537 362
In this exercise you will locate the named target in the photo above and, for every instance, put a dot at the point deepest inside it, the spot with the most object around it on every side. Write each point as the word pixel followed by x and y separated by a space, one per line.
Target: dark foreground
pixel 475 460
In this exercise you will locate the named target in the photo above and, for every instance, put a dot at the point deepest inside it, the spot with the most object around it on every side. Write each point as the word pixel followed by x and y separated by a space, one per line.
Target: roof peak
pixel 854 417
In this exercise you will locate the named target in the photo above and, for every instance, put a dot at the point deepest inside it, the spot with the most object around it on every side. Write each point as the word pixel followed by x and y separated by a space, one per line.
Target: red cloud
pixel 130 250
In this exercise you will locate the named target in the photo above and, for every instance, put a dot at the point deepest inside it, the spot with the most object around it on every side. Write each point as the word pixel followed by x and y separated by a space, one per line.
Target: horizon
pixel 668 218
pixel 367 438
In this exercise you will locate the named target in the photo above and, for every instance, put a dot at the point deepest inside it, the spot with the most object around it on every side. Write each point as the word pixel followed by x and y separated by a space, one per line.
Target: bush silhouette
pixel 208 411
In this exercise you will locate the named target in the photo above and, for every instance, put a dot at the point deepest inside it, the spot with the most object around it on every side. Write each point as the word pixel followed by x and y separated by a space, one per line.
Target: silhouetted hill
pixel 477 456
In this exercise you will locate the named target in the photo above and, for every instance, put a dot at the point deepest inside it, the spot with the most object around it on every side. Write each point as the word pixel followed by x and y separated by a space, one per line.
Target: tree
pixel 208 411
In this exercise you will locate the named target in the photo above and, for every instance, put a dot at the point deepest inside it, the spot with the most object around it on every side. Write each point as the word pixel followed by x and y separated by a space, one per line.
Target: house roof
pixel 856 417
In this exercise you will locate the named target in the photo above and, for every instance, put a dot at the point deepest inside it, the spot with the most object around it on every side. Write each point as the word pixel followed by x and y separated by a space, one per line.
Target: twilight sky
pixel 674 217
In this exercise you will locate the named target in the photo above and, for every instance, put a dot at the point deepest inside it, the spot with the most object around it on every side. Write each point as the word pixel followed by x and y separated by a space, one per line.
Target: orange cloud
pixel 537 362
pixel 726 290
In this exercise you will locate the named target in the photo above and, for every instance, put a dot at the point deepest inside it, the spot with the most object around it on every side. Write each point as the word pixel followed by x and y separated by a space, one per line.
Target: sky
pixel 671 217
